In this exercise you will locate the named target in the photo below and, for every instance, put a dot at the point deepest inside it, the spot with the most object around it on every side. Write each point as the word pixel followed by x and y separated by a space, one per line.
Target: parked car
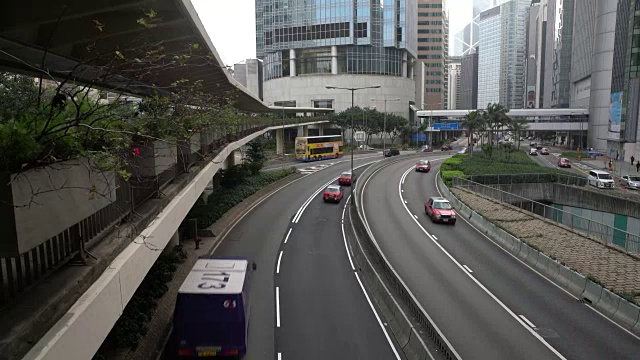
pixel 564 163
pixel 440 210
pixel 391 152
pixel 423 166
pixel 533 151
pixel 600 179
pixel 462 151
pixel 631 182
pixel 426 148
pixel 333 193
pixel 446 147
pixel 347 178
pixel 544 151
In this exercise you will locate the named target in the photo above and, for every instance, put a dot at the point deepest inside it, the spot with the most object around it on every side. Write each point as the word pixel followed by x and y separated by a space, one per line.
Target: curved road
pixel 487 303
pixel 319 310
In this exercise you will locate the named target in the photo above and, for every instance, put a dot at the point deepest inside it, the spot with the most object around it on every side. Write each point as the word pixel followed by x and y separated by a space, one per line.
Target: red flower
pixel 136 151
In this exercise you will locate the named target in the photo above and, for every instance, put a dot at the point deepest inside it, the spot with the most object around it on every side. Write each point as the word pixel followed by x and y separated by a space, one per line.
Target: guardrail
pixel 533 178
pixel 404 329
pixel 590 228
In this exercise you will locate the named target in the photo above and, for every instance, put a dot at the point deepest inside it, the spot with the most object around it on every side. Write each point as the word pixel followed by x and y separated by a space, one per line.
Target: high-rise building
pixel 502 56
pixel 454 96
pixel 469 80
pixel 467 39
pixel 308 45
pixel 582 53
pixel 433 50
pixel 249 74
pixel 534 58
pixel 557 74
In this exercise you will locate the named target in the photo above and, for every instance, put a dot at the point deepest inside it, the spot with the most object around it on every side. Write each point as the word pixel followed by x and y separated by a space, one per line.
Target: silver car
pixel 631 181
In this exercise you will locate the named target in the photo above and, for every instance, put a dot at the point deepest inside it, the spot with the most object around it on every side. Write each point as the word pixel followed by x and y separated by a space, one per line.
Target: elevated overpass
pixel 559 120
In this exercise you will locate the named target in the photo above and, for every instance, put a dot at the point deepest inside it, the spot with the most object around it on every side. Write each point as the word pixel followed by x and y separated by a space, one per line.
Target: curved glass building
pixel 307 44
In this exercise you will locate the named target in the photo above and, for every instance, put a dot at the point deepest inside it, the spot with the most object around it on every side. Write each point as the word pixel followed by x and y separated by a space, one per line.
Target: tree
pixel 256 156
pixel 517 126
pixel 395 128
pixel 473 121
pixel 495 116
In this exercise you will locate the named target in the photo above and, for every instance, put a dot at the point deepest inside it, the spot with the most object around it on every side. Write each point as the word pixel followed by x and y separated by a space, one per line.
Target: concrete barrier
pixel 592 292
pixel 627 315
pixel 636 329
pixel 553 269
pixel 608 303
pixel 563 276
pixel 543 263
pixel 532 259
pixel 577 284
pixel 516 248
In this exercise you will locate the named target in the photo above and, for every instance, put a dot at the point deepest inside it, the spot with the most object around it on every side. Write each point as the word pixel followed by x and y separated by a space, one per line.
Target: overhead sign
pixel 421 137
pixel 446 126
pixel 359 136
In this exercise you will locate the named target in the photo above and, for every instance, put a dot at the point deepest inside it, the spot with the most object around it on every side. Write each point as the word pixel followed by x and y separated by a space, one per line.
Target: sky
pixel 231 25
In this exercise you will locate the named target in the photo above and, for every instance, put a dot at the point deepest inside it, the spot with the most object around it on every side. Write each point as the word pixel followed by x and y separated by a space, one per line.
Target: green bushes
pixel 232 194
pixel 448 175
pixel 453 163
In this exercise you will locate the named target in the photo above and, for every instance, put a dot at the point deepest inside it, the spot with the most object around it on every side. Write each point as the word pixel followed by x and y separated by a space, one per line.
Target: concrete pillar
pixel 279 141
pixel 404 63
pixel 231 159
pixel 292 62
pixel 412 69
pixel 321 130
pixel 334 60
pixel 303 130
pixel 173 242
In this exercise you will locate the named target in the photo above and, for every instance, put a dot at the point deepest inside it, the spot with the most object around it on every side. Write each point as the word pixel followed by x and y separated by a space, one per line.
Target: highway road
pixel 488 304
pixel 306 300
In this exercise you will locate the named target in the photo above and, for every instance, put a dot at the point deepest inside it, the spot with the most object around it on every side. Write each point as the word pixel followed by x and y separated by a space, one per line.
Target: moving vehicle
pixel 533 151
pixel 391 152
pixel 631 182
pixel 365 148
pixel 423 166
pixel 600 179
pixel 212 309
pixel 462 151
pixel 426 148
pixel 333 193
pixel 564 163
pixel 446 147
pixel 346 178
pixel 440 210
pixel 544 151
pixel 313 148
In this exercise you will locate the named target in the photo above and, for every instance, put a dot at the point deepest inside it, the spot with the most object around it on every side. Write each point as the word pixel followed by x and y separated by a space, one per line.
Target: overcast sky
pixel 231 25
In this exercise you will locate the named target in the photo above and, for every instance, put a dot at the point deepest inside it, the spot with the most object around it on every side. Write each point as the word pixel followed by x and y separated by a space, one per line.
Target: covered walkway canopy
pixel 57 38
pixel 522 113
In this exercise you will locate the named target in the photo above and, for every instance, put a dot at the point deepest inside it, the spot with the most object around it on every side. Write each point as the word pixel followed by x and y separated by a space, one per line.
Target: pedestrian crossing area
pixel 313 169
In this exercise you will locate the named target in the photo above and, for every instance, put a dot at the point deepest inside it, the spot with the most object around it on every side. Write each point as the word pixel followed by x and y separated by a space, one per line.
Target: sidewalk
pixel 616 270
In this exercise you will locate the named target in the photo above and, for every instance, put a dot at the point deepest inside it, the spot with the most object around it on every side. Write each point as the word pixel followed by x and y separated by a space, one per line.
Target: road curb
pixel 625 314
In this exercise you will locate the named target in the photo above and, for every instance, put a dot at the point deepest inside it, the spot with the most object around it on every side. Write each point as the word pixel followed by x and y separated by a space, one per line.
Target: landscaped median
pixel 602 275
pixel 145 323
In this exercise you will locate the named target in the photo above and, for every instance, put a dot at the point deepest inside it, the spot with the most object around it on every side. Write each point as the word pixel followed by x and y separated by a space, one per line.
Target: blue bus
pixel 212 309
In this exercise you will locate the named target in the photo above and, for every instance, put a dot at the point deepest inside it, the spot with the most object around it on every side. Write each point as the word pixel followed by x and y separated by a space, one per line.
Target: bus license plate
pixel 207 353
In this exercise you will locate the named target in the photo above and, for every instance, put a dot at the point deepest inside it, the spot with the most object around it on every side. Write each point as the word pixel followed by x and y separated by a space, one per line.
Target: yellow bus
pixel 313 148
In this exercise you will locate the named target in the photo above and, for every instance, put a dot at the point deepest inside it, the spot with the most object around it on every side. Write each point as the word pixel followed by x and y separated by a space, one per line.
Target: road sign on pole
pixel 359 136
pixel 446 126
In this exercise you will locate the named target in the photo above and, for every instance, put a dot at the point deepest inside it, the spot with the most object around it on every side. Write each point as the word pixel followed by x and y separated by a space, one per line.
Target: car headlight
pixel 438 216
pixel 453 216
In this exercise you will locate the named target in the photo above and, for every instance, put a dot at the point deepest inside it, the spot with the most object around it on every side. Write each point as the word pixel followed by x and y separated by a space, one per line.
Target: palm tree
pixel 473 122
pixel 495 116
pixel 516 126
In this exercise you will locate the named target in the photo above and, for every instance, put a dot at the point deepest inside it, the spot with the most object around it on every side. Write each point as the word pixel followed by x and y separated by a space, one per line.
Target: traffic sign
pixel 446 126
pixel 421 137
pixel 359 136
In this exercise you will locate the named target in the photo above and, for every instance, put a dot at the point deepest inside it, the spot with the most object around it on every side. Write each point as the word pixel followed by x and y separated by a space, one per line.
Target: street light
pixel 384 123
pixel 352 89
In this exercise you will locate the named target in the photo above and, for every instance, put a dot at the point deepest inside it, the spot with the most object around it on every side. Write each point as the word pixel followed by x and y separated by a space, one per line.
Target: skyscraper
pixel 557 74
pixel 308 44
pixel 433 50
pixel 467 38
pixel 502 54
pixel 454 96
pixel 469 80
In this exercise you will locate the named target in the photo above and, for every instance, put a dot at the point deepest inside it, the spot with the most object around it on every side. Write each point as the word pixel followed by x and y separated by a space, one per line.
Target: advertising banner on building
pixel 583 89
pixel 615 115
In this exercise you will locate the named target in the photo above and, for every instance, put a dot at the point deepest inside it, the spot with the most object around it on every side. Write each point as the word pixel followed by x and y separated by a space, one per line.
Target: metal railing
pixel 587 227
pixel 533 178
pixel 19 273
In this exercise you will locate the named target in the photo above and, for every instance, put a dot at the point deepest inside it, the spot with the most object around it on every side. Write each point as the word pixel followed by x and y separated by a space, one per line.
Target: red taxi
pixel 333 193
pixel 346 178
pixel 440 210
pixel 564 163
pixel 423 166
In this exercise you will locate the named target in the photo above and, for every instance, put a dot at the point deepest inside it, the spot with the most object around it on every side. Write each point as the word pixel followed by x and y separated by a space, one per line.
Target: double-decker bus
pixel 312 148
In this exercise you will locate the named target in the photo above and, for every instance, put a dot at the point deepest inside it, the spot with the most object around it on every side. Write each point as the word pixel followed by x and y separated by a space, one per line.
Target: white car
pixel 631 181
pixel 533 151
pixel 365 147
pixel 600 179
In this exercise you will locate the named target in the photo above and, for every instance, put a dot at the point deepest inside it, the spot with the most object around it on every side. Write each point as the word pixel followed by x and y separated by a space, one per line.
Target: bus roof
pixel 215 276
pixel 314 137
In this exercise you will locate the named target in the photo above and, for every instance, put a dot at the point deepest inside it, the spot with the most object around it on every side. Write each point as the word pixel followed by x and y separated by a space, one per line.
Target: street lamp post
pixel 384 124
pixel 353 90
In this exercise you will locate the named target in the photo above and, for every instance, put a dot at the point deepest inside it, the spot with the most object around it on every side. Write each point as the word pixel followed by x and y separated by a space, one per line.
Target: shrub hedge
pixel 221 201
pixel 448 175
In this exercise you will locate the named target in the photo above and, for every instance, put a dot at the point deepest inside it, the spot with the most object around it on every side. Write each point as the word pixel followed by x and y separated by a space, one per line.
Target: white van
pixel 600 179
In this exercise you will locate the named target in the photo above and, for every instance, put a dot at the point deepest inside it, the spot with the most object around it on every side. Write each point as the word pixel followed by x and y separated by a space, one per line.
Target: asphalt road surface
pixel 488 304
pixel 307 302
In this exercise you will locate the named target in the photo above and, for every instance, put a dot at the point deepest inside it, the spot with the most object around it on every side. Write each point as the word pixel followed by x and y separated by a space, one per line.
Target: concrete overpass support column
pixel 303 130
pixel 173 242
pixel 404 63
pixel 280 141
pixel 321 130
pixel 292 62
pixel 231 160
pixel 334 60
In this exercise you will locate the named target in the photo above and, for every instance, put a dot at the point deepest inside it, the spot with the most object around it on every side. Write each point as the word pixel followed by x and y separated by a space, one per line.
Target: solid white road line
pixel 279 259
pixel 386 334
pixel 344 237
pixel 434 237
pixel 287 237
pixel 495 298
pixel 527 321
pixel 279 356
pixel 277 306
pixel 467 268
